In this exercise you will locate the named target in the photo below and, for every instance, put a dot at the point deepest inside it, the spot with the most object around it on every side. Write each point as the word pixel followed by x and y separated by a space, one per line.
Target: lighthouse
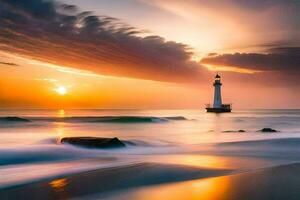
pixel 218 107
pixel 217 95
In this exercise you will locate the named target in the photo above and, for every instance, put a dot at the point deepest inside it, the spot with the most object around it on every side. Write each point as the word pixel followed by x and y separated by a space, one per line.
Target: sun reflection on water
pixel 59 184
pixel 60 131
pixel 59 188
pixel 61 113
pixel 204 189
pixel 204 161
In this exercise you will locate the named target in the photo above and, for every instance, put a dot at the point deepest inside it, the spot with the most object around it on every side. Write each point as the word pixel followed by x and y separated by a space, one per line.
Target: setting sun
pixel 61 90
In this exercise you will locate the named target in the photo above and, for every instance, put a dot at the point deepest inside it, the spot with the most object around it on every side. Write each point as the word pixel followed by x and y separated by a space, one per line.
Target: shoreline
pixel 130 181
pixel 108 180
pixel 274 183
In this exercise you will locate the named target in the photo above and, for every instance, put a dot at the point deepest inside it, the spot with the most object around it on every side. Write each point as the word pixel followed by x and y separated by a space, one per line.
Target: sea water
pixel 30 151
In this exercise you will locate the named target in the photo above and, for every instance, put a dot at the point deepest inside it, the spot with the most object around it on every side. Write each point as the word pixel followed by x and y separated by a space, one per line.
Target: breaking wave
pixel 96 119
pixel 13 119
pixel 282 142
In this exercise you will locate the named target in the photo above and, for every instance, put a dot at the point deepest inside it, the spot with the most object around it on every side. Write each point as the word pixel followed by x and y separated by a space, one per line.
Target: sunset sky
pixel 149 53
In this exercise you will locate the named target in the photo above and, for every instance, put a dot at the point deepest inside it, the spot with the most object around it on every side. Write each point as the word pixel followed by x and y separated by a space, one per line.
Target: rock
pixel 232 131
pixel 229 131
pixel 268 130
pixel 94 142
pixel 13 119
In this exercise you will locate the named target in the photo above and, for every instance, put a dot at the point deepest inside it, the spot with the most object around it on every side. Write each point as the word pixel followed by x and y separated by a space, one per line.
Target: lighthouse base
pixel 223 109
pixel 218 110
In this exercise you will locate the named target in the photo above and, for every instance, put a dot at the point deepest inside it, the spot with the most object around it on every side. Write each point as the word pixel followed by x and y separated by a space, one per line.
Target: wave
pixel 49 153
pixel 98 119
pixel 138 143
pixel 282 142
pixel 13 119
pixel 35 155
pixel 176 118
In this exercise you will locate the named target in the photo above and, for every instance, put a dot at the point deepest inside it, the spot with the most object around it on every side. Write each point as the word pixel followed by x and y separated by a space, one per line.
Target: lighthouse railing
pixel 225 106
pixel 208 105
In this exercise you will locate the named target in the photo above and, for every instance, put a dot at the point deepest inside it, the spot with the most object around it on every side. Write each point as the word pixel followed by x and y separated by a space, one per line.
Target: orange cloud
pixel 57 34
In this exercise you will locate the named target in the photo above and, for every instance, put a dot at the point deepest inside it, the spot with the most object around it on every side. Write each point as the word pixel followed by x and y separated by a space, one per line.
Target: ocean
pixel 168 149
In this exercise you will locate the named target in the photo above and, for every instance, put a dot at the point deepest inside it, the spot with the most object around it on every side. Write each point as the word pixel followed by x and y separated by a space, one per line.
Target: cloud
pixel 60 34
pixel 9 64
pixel 278 67
pixel 237 24
pixel 51 80
pixel 283 59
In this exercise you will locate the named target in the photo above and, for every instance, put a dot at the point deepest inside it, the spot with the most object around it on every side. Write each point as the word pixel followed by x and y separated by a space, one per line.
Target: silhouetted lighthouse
pixel 218 107
pixel 217 96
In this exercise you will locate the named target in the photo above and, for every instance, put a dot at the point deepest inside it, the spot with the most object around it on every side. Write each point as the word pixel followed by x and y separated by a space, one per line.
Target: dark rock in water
pixel 231 131
pixel 94 142
pixel 13 119
pixel 268 130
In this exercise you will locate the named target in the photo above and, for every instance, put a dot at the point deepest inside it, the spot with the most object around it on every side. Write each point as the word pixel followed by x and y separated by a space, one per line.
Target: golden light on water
pixel 204 189
pixel 59 183
pixel 204 161
pixel 61 113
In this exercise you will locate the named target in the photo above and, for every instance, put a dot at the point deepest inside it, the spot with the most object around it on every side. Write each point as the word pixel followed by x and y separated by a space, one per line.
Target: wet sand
pixel 103 181
pixel 172 182
pixel 275 183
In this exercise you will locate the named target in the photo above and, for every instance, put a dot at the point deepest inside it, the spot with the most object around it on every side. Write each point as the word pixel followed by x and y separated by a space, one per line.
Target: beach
pixel 170 154
pixel 149 100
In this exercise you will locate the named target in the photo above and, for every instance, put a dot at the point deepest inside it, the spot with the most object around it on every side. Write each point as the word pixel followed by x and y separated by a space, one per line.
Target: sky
pixel 149 54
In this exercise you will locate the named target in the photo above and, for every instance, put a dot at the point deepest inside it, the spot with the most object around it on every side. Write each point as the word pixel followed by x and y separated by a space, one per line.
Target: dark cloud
pixel 60 34
pixel 285 16
pixel 276 59
pixel 261 5
pixel 9 64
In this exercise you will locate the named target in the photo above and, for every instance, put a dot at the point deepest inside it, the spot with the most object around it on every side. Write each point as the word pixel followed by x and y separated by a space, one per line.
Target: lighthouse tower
pixel 218 107
pixel 217 95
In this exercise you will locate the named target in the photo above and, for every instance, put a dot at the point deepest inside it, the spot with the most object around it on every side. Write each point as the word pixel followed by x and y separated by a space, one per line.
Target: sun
pixel 61 90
